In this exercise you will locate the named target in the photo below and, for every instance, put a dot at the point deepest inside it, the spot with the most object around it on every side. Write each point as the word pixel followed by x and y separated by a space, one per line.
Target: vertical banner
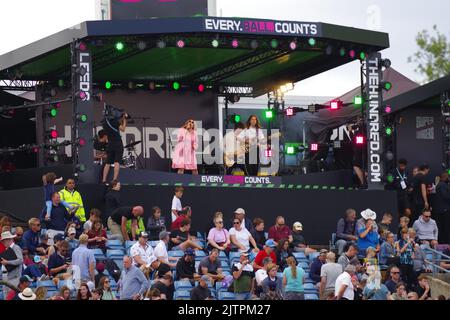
pixel 83 117
pixel 373 120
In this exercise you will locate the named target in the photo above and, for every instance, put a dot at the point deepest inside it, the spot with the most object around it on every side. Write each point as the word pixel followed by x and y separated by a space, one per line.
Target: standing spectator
pixel 388 252
pixel 211 267
pixel 185 214
pixel 243 275
pixel 405 246
pixel 133 283
pixel 401 184
pixel 293 278
pixel 346 230
pixel 426 229
pixel 186 266
pixel 73 243
pixel 219 237
pixel 31 237
pixel 11 260
pixel 404 223
pixel 181 239
pixel 241 237
pixel 138 228
pixel 268 251
pixel 202 292
pixel 84 260
pixel 394 275
pixel 24 282
pixel 328 275
pixel 117 222
pixel 316 266
pixel 160 251
pixel 441 208
pixel 420 185
pixel 400 292
pixel 350 257
pixel 83 292
pixel 282 253
pixel 257 232
pixel 298 241
pixel 280 230
pixel 260 275
pixel 272 286
pixel 100 267
pixel 367 237
pixel 246 222
pixel 94 215
pixel 344 286
pixel 108 293
pixel 59 218
pixel 176 203
pixel 97 236
pixel 112 198
pixel 141 252
pixel 73 198
pixel 156 224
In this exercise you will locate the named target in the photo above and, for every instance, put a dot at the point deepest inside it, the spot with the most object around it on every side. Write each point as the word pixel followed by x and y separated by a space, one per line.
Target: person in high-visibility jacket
pixel 73 198
pixel 139 227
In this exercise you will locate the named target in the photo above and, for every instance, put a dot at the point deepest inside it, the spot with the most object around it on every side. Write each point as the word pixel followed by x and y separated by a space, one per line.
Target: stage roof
pixel 264 66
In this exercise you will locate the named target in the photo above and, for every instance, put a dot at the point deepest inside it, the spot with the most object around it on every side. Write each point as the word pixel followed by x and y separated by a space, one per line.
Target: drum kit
pixel 129 161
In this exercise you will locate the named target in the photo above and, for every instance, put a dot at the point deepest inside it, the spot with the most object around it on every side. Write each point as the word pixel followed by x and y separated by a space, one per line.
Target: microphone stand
pixel 170 144
pixel 144 138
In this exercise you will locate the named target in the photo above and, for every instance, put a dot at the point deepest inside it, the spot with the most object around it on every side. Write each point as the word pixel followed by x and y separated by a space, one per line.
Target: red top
pixel 97 244
pixel 279 233
pixel 11 295
pixel 2 247
pixel 177 223
pixel 262 254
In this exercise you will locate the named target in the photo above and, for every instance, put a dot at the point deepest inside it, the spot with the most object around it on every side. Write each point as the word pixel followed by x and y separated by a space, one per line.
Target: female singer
pixel 254 138
pixel 183 157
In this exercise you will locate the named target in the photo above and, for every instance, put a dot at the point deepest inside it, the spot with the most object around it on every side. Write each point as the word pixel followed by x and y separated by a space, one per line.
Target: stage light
pixel 342 52
pixel 390 178
pixel 254 44
pixel 108 85
pixel 35 149
pixel 215 43
pixel 81 117
pixel 119 46
pixel 293 45
pixel 80 167
pixel 388 131
pixel 362 56
pixel 141 45
pixel 447 103
pixel 389 156
pixel 235 43
pixel 131 85
pixel 286 87
pixel 60 83
pixel 359 139
pixel 236 118
pixel 81 142
pixel 312 108
pixel 52 134
pixel 447 120
pixel 448 171
pixel 274 43
pixel 358 101
pixel 336 104
pixel 336 144
pixel 180 43
pixel 160 44
pixel 388 109
pixel 290 150
pixel 53 112
pixel 329 50
pixel 312 42
pixel 81 46
pixel 53 158
pixel 289 111
pixel 201 87
pixel 176 85
pixel 352 54
pixel 386 85
pixel 81 95
pixel 314 147
pixel 233 98
pixel 268 153
pixel 268 114
pixel 386 63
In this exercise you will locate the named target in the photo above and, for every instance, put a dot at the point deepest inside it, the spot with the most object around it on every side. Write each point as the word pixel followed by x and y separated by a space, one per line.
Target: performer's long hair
pixel 258 124
pixel 186 124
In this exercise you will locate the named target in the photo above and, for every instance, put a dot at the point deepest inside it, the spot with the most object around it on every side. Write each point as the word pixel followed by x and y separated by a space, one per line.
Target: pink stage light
pixel 180 44
pixel 290 111
pixel 235 43
pixel 314 147
pixel 359 139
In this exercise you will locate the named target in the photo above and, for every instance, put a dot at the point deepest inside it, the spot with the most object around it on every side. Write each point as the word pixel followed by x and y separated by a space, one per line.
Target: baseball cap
pixel 205 278
pixel 270 243
pixel 189 252
pixel 71 231
pixel 25 278
pixel 58 237
pixel 297 226
pixel 143 234
pixel 152 259
pixel 37 259
pixel 323 252
pixel 163 234
pixel 239 210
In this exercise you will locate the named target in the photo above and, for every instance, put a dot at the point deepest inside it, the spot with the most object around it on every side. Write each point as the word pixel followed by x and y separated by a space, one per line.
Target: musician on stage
pixel 114 150
pixel 183 157
pixel 100 146
pixel 234 150
pixel 254 139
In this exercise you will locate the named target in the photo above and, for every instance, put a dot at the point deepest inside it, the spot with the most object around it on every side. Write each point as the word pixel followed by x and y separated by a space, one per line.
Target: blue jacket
pixel 31 241
pixel 314 271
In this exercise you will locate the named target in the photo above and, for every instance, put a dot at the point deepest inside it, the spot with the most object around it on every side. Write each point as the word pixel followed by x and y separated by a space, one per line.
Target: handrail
pixel 432 263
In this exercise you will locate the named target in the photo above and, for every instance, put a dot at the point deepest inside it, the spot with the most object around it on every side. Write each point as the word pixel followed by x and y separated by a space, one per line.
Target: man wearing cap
pixel 202 292
pixel 117 222
pixel 84 260
pixel 186 266
pixel 268 251
pixel 243 275
pixel 31 237
pixel 57 239
pixel 59 218
pixel 211 266
pixel 11 260
pixel 73 243
pixel 160 268
pixel 298 241
pixel 246 222
pixel 27 294
pixel 24 282
pixel 280 231
pixel 36 270
pixel 160 251
pixel 141 251
pixel 316 266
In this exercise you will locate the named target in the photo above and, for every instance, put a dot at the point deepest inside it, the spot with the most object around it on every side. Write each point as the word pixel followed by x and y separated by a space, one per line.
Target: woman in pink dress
pixel 183 157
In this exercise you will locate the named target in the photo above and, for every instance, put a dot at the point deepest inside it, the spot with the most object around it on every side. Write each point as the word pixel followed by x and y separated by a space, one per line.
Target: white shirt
pixel 260 275
pixel 345 279
pixel 176 205
pixel 160 252
pixel 144 253
pixel 250 134
pixel 242 237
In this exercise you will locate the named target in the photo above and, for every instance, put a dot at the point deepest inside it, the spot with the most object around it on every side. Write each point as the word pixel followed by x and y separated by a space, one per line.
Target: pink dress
pixel 183 157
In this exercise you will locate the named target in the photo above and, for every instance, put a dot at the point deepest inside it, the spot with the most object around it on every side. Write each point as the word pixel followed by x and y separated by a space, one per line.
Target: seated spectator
pixel 27 294
pixel 141 252
pixel 388 253
pixel 374 290
pixel 211 267
pixel 358 287
pixel 83 292
pixel 64 293
pixel 268 251
pixel 108 293
pixel 84 260
pixel 100 267
pixel 404 223
pixel 156 224
pixel 394 278
pixel 419 256
pixel 41 293
pixel 316 266
pixel 406 247
pixel 400 292
pixel 446 264
pixel 73 242
pixel 385 224
pixel 423 289
pixel 57 240
pixel 117 222
pixel 412 296
pixel 366 215
pixel 94 215
pixel 293 279
pixel 257 232
pixel 272 286
pixel 346 230
pixel 36 270
pixel 243 275
pixel 298 241
pixel 163 285
pixel 112 198
pixel 31 237
pixel 186 266
pixel 160 251
pixel 18 240
pixel 350 256
pixel 27 260
pixel 282 252
pixel 59 218
pixel 219 237
pixel 58 262
pixel 245 222
pixel 202 292
pixel 426 229
pixel 76 224
pixel 153 294
pixel 241 237
pixel 260 275
pixel 367 237
pixel 160 268
pixel 181 239
pixel 343 289
pixel 24 282
pixel 328 275
pixel 280 231
pixel 185 214
pixel 43 243
pixel 96 294
pixel 133 283
pixel 371 258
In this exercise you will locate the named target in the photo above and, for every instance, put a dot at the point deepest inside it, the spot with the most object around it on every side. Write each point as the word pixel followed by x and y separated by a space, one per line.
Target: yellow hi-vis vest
pixel 73 198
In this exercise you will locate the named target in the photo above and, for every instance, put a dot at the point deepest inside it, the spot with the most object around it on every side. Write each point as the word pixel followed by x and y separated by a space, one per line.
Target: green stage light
pixel 60 83
pixel 390 178
pixel 290 150
pixel 108 85
pixel 268 114
pixel 83 118
pixel 176 85
pixel 386 85
pixel 215 43
pixel 53 112
pixel 358 101
pixel 236 118
pixel 448 171
pixel 312 42
pixel 388 131
pixel 119 46
pixel 274 43
pixel 362 56
pixel 342 52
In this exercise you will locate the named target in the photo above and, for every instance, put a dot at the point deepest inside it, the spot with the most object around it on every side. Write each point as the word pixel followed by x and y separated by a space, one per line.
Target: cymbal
pixel 131 145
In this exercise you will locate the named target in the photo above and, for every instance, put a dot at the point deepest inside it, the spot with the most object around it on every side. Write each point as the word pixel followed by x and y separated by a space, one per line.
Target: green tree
pixel 433 57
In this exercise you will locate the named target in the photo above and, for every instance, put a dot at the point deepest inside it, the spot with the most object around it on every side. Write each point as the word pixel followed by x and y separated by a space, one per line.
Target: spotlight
pixel 81 117
pixel 81 46
pixel 235 43
pixel 254 44
pixel 52 134
pixel 201 88
pixel 52 112
pixel 180 43
pixel 388 131
pixel 160 44
pixel 119 46
pixel 359 139
pixel 151 85
pixel 447 120
pixel 81 94
pixel 131 85
pixel 80 167
pixel 336 144
pixel 447 103
pixel 388 109
pixel 81 142
pixel 358 101
pixel 386 63
pixel 362 56
pixel 312 42
pixel 289 111
pixel 386 85
pixel 268 153
pixel 329 50
pixel 342 52
pixel 233 98
pixel 60 83
pixel 81 71
pixel 236 118
pixel 293 45
pixel 290 150
pixel 215 43
pixel 389 156
pixel 312 108
pixel 390 178
pixel 141 45
pixel 274 43
pixel 108 85
pixel 352 54
pixel 268 114
pixel 336 104
pixel 176 85
pixel 314 147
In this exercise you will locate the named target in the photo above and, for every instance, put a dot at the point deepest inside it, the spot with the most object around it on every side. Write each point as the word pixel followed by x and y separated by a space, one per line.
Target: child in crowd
pixel 176 203
pixel 404 222
pixel 49 180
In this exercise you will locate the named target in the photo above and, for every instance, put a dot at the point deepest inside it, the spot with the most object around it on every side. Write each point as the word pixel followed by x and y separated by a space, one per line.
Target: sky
pixel 25 21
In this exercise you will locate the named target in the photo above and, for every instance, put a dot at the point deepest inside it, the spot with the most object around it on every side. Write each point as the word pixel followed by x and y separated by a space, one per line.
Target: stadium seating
pixel 114 244
pixel 183 285
pixel 98 254
pixel 224 295
pixel 311 296
pixel 175 253
pixel 299 255
pixel 313 255
pixel 46 283
pixel 182 295
pixel 115 254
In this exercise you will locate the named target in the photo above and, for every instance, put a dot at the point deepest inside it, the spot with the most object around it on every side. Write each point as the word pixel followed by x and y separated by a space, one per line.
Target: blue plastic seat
pixel 62 283
pixel 225 295
pixel 311 296
pixel 234 257
pixel 209 285
pixel 224 264
pixel 182 295
pixel 313 255
pixel 175 253
pixel 98 253
pixel 226 272
pixel 119 263
pixel 153 243
pixel 299 255
pixel 51 293
pixel 220 287
pixel 129 244
pixel 46 283
pixel 182 285
pixel 222 255
pixel 114 244
pixel 114 254
pixel 200 253
pixel 303 265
